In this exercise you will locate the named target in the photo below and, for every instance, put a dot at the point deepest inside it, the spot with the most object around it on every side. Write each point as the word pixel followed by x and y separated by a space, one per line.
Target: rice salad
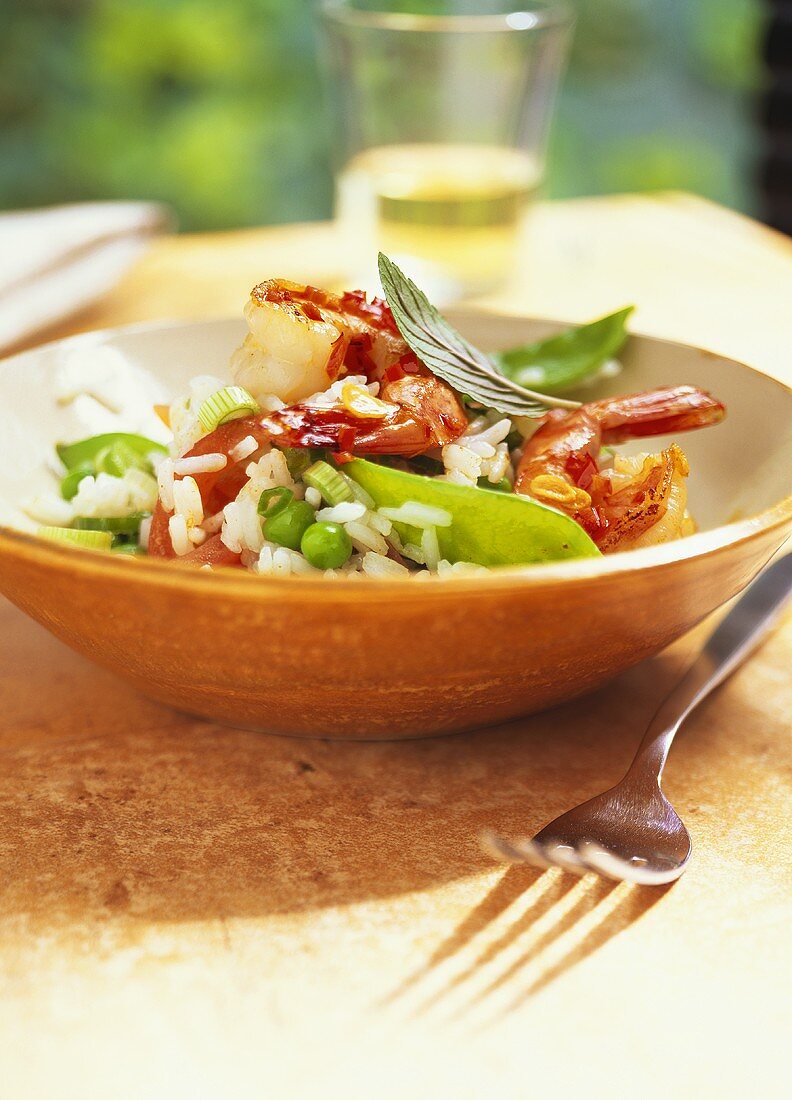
pixel 354 438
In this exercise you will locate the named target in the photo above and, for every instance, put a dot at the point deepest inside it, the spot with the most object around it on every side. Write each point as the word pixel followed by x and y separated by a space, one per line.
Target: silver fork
pixel 631 832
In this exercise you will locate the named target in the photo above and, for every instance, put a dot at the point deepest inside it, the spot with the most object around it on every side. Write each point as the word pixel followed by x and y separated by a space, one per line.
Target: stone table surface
pixel 188 910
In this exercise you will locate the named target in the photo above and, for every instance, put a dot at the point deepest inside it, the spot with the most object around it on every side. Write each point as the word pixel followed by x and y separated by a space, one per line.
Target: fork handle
pixel 740 632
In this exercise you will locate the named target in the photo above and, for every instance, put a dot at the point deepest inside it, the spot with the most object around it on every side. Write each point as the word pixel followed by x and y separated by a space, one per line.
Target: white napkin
pixel 57 261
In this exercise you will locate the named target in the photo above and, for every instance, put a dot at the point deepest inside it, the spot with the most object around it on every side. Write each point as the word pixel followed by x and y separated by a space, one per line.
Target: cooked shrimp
pixel 560 465
pixel 300 338
pixel 628 477
pixel 417 414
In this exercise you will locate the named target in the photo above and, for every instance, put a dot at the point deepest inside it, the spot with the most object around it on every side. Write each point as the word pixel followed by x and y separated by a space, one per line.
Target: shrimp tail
pixel 657 412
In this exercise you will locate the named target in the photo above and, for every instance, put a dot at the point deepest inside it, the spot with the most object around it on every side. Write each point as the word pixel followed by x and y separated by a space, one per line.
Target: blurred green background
pixel 215 105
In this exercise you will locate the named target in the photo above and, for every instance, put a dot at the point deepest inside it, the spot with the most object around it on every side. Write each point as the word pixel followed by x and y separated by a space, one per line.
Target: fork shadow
pixel 531 928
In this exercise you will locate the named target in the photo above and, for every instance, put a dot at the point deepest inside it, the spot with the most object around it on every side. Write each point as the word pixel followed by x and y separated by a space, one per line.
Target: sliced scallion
pixel 118 458
pixel 227 404
pixel 85 451
pixel 116 525
pixel 71 482
pixel 88 540
pixel 274 500
pixel 332 484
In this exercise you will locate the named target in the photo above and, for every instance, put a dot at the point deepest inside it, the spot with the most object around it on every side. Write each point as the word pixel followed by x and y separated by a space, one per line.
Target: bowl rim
pixel 702 544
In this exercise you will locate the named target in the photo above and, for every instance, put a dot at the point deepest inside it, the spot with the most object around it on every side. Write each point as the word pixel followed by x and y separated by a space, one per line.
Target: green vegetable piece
pixel 273 501
pixel 565 360
pixel 326 545
pixel 87 540
pixel 118 458
pixel 131 549
pixel 71 482
pixel 298 459
pixel 289 524
pixel 230 403
pixel 450 356
pixel 487 528
pixel 332 484
pixel 502 486
pixel 84 452
pixel 116 525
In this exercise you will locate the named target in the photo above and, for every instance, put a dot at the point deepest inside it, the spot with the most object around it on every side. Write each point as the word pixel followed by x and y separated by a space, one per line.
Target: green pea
pixel 289 524
pixel 71 481
pixel 326 545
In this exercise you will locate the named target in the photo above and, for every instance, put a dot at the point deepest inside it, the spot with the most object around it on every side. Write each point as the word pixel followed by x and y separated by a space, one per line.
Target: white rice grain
pixel 364 538
pixel 497 467
pixel 377 565
pixel 270 403
pixel 458 568
pixel 332 395
pixel 481 448
pixel 313 496
pixel 430 548
pixel 418 515
pixel 180 540
pixel 342 513
pixel 165 483
pixel 414 553
pixel 379 523
pixel 252 536
pixel 274 468
pixel 492 435
pixel 203 464
pixel 279 561
pixel 144 533
pixel 231 530
pixel 108 496
pixel 461 460
pixel 455 477
pixel 187 501
pixel 243 449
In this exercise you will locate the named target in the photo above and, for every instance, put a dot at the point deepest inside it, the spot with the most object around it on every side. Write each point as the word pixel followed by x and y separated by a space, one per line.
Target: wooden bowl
pixel 384 658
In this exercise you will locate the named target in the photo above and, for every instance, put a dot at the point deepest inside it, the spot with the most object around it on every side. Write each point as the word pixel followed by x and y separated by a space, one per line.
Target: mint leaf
pixel 450 356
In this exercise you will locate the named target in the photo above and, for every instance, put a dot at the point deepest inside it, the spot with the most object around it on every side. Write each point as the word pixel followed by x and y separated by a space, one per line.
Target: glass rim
pixel 520 19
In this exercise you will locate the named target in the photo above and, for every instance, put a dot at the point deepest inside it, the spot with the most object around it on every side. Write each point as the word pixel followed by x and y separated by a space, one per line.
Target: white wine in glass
pixel 451 215
pixel 441 113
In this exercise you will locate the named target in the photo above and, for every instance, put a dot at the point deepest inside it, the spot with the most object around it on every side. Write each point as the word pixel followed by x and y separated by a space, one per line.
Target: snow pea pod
pixel 487 528
pixel 565 360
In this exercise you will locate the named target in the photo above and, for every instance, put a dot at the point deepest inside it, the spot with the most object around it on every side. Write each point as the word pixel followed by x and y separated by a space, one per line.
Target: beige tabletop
pixel 187 910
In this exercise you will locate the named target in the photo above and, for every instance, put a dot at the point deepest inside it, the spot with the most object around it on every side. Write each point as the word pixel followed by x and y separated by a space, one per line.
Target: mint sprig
pixel 453 358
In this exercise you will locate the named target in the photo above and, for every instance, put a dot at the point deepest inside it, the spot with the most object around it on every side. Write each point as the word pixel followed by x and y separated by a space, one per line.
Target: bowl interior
pixel 738 469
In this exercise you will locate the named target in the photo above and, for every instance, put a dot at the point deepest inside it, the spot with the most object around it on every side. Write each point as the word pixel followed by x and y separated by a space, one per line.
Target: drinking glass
pixel 441 119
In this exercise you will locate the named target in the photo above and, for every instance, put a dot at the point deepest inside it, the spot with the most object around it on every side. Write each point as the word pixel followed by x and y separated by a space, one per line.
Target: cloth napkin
pixel 55 262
